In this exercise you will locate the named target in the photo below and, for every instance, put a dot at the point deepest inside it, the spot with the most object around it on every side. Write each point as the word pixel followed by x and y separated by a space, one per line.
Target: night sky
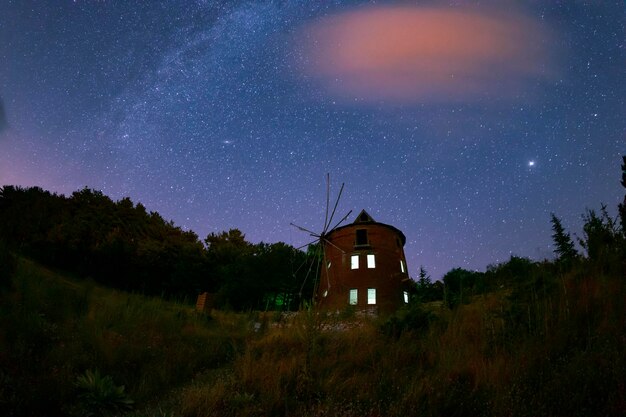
pixel 464 124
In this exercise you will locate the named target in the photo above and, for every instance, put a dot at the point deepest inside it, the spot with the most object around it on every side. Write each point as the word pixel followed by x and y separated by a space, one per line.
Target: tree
pixel 115 243
pixel 227 246
pixel 7 265
pixel 564 246
pixel 425 290
pixel 459 284
pixel 424 278
pixel 602 240
pixel 280 274
pixel 622 206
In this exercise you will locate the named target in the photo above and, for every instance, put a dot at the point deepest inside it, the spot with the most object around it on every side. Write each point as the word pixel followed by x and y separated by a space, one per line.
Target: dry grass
pixel 557 348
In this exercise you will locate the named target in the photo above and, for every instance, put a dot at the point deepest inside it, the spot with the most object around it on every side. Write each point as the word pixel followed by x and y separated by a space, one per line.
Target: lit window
pixel 406 297
pixel 328 265
pixel 353 297
pixel 371 296
pixel 354 262
pixel 402 267
pixel 371 261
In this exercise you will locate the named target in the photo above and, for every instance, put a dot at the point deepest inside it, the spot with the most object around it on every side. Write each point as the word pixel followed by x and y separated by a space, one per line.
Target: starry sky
pixel 462 123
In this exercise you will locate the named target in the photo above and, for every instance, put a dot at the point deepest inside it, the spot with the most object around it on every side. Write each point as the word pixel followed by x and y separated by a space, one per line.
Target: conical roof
pixel 364 217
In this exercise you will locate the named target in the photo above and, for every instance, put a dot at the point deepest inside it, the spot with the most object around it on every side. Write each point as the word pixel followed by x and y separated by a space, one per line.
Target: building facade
pixel 365 267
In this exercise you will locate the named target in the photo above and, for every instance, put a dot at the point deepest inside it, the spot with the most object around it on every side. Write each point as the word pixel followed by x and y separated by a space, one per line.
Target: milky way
pixel 221 115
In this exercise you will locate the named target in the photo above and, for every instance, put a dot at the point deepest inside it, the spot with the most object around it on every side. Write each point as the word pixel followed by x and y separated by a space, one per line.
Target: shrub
pixel 7 266
pixel 99 396
pixel 412 317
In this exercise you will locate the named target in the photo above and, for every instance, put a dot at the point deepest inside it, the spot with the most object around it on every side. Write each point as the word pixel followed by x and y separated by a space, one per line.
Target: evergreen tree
pixel 423 285
pixel 424 278
pixel 622 206
pixel 564 246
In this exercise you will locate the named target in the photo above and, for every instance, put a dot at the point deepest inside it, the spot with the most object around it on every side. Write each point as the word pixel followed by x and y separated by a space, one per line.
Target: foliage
pixel 622 206
pixel 149 345
pixel 425 290
pixel 603 240
pixel 99 396
pixel 523 338
pixel 548 344
pixel 413 317
pixel 564 246
pixel 262 276
pixel 121 245
pixel 7 266
pixel 459 284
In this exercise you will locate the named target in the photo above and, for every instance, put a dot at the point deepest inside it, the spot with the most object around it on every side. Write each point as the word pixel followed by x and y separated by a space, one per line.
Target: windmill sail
pixel 320 239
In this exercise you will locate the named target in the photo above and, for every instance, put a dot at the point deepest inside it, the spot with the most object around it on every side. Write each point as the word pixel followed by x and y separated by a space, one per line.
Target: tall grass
pixel 554 349
pixel 552 344
pixel 53 329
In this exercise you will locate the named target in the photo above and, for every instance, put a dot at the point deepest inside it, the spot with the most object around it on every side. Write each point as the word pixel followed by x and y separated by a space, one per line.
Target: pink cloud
pixel 417 54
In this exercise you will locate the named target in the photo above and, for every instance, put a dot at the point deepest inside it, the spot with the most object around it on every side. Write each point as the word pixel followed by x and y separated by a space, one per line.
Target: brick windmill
pixel 363 265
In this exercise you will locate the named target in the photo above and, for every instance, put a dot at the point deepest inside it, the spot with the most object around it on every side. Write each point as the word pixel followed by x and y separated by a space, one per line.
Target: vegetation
pixel 99 396
pixel 550 345
pixel 55 332
pixel 121 245
pixel 564 246
pixel 523 338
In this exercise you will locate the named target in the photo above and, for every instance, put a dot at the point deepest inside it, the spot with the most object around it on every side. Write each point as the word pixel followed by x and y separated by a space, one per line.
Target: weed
pixel 99 396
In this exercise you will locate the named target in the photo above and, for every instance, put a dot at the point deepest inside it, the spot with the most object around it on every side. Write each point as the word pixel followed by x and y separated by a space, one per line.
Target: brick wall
pixel 386 244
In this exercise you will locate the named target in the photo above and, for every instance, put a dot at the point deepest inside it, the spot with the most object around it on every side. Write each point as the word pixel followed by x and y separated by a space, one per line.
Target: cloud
pixel 418 54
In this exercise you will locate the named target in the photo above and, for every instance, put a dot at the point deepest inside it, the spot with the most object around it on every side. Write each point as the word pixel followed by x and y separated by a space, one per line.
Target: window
pixel 361 237
pixel 406 297
pixel 371 261
pixel 354 262
pixel 402 267
pixel 371 296
pixel 353 297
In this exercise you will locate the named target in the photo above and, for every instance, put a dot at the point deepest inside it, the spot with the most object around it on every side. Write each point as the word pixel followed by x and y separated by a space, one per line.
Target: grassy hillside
pixel 53 329
pixel 550 346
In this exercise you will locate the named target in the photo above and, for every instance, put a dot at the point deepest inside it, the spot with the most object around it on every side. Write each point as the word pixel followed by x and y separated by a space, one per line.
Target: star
pixel 230 114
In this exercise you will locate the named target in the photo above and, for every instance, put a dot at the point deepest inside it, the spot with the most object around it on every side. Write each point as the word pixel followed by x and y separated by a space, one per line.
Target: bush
pixel 99 396
pixel 7 266
pixel 412 317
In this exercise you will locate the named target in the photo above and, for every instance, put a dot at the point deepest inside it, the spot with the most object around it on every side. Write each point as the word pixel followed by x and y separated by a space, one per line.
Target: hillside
pixel 121 245
pixel 523 338
pixel 550 346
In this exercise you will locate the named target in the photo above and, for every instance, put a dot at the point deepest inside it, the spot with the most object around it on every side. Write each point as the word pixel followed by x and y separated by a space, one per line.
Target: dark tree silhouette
pixel 563 244
pixel 116 243
pixel 425 289
pixel 459 285
pixel 603 241
pixel 622 206
pixel 256 276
